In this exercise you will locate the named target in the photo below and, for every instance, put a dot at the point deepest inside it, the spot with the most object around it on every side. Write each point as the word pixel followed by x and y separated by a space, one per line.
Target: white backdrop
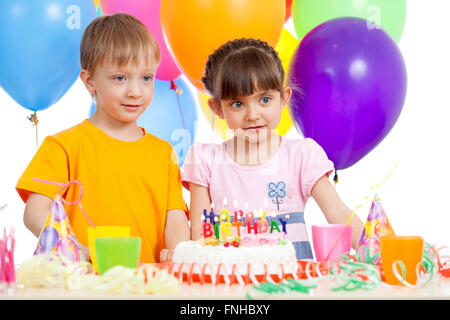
pixel 415 197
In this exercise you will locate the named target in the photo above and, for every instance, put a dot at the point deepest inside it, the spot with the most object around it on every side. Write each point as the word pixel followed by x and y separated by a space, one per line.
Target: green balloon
pixel 389 14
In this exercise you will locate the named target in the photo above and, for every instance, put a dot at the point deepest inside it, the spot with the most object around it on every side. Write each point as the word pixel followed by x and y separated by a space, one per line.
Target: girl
pixel 258 167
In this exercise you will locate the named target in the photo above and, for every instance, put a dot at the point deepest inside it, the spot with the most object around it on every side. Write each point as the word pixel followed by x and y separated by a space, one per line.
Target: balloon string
pixel 386 178
pixel 3 207
pixel 64 186
pixel 178 91
pixel 34 120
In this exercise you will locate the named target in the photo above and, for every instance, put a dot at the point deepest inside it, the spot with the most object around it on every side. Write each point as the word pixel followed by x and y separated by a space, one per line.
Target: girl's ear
pixel 215 106
pixel 286 95
pixel 87 79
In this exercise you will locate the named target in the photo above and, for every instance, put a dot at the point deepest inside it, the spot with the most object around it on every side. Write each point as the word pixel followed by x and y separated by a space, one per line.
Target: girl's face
pixel 253 118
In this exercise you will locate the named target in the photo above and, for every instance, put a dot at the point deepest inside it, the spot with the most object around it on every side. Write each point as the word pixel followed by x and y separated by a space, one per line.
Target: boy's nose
pixel 134 89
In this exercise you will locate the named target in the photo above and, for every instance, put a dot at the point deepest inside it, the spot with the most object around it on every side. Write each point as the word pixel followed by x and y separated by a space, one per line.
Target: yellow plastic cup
pixel 104 231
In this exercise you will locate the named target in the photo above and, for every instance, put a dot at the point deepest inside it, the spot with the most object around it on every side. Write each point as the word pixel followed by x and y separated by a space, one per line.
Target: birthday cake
pixel 250 255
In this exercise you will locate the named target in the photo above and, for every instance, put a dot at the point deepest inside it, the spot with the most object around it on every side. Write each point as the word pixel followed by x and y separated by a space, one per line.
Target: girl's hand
pixel 335 211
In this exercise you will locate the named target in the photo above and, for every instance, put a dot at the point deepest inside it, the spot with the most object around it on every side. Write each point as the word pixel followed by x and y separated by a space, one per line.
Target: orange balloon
pixel 195 28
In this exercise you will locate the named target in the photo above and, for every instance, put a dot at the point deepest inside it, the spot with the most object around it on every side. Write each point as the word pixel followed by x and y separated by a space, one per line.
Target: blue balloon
pixel 40 48
pixel 171 116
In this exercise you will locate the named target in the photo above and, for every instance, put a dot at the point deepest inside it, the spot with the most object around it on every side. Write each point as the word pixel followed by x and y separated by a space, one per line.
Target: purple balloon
pixel 49 239
pixel 352 81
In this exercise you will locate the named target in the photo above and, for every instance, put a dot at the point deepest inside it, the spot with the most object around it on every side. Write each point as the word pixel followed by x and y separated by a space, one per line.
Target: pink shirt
pixel 285 180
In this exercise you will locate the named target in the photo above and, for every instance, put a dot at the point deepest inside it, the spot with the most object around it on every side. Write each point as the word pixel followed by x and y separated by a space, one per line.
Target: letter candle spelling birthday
pixel 254 221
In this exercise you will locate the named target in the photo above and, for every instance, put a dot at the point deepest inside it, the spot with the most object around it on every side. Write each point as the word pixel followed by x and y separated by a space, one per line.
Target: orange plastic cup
pixel 104 231
pixel 408 250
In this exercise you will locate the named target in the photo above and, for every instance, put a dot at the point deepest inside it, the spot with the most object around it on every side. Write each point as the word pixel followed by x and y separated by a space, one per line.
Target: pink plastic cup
pixel 331 240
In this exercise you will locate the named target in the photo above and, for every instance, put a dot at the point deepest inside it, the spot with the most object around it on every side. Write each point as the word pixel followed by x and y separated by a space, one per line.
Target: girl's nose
pixel 252 113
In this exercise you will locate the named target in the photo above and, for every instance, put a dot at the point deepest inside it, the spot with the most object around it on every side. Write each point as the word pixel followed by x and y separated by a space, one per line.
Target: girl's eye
pixel 147 78
pixel 119 78
pixel 265 100
pixel 237 104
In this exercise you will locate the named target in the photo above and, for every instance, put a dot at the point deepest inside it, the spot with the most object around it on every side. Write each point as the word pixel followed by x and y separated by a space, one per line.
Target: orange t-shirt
pixel 125 183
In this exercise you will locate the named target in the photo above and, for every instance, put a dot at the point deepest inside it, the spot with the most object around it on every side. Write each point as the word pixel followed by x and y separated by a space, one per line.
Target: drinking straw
pixel 64 186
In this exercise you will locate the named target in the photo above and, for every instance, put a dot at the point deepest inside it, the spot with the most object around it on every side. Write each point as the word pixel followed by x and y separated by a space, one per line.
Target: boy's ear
pixel 286 95
pixel 86 77
pixel 216 107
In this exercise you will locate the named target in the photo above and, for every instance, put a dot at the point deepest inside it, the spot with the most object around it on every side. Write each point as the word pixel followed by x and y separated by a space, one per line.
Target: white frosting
pixel 273 256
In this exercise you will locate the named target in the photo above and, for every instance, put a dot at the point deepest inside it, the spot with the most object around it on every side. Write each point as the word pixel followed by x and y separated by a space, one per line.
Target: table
pixel 438 289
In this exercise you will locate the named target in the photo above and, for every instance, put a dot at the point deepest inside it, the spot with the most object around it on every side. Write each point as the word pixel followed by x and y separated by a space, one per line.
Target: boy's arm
pixel 36 212
pixel 200 200
pixel 334 209
pixel 175 231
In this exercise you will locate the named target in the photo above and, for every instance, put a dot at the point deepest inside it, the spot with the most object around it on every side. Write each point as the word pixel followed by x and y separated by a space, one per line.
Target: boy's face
pixel 122 93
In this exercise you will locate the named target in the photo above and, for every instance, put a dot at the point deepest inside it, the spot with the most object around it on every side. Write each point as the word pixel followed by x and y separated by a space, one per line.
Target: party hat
pixel 57 234
pixel 377 224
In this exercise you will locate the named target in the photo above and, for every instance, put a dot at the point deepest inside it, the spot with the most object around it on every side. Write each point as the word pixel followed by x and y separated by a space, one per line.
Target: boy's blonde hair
pixel 118 38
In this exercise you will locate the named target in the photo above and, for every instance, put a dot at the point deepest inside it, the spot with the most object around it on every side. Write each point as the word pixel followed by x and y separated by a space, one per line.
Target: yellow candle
pixel 226 230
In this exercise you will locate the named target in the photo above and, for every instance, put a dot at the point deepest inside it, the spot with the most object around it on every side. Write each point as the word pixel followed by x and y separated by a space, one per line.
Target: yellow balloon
pixel 286 46
pixel 218 125
pixel 96 3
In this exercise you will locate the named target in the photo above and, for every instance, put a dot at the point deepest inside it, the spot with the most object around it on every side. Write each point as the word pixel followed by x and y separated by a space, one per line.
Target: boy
pixel 128 175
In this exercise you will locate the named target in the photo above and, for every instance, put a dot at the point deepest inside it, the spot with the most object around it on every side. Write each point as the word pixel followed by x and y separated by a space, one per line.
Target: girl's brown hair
pixel 120 37
pixel 238 66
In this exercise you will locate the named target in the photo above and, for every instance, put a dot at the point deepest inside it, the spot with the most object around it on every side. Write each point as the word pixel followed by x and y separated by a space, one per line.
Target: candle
pixel 216 227
pixel 265 224
pixel 224 213
pixel 253 227
pixel 238 225
pixel 226 230
pixel 283 223
pixel 207 230
pixel 274 225
pixel 210 216
pixel 249 217
pixel 241 214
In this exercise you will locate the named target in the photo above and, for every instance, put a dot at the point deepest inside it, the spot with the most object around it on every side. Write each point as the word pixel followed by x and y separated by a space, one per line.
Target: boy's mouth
pixel 131 106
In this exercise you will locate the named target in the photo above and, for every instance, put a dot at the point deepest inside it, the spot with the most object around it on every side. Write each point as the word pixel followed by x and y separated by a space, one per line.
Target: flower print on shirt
pixel 277 191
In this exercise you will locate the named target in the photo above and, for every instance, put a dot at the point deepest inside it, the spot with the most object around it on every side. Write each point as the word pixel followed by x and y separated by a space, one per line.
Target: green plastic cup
pixel 117 251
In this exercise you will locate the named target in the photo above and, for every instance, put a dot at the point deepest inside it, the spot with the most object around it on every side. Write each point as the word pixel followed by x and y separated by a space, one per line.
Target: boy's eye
pixel 119 78
pixel 265 100
pixel 147 78
pixel 237 104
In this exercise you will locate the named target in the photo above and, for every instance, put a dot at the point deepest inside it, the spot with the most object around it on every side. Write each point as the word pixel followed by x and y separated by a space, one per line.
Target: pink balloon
pixel 149 12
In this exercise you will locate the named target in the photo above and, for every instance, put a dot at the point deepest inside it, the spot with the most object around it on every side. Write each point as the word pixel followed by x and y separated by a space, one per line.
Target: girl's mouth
pixel 256 128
